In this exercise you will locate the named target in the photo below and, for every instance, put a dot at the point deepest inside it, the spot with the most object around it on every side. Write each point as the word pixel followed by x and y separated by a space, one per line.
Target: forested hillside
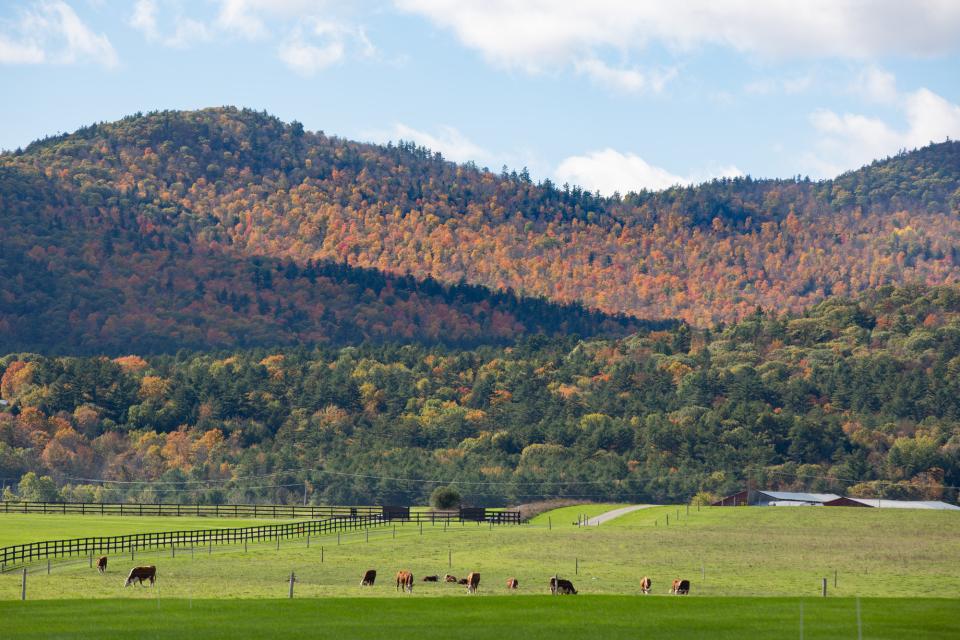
pixel 227 227
pixel 859 397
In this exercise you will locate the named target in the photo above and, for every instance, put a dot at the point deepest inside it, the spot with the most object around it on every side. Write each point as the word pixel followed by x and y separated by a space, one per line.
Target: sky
pixel 612 95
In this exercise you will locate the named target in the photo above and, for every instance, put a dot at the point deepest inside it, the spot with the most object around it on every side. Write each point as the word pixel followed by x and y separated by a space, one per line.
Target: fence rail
pixel 17 555
pixel 209 510
pixel 292 512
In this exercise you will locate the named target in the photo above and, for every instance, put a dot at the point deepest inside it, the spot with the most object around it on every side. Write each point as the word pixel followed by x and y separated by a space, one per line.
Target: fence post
pixel 278 543
pixel 338 537
pixel 23 585
pixel 48 566
pixel 91 561
pixel 308 541
pixel 824 585
pixel 576 566
pixel 173 551
pixel 321 553
pixel 293 579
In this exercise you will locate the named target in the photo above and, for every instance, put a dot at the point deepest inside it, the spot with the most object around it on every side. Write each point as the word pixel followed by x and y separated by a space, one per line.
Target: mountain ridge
pixel 124 210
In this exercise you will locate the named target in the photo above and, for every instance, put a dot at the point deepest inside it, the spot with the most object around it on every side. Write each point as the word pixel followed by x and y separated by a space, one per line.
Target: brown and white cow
pixel 450 578
pixel 561 586
pixel 102 564
pixel 512 583
pixel 405 581
pixel 141 574
pixel 369 577
pixel 431 578
pixel 473 582
pixel 680 587
pixel 645 584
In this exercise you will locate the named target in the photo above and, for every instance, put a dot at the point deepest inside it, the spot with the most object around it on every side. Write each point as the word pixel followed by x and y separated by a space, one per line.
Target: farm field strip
pixel 18 528
pixel 749 551
pixel 608 617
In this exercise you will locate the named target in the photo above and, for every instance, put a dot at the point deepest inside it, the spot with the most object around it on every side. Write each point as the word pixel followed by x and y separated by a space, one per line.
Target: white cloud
pixel 876 85
pixel 144 18
pixel 51 32
pixel 628 80
pixel 609 170
pixel 186 31
pixel 789 86
pixel 330 44
pixel 850 140
pixel 533 34
pixel 449 141
pixel 248 18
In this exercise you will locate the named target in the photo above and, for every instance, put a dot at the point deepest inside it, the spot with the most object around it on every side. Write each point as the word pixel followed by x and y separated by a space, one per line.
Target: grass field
pixel 19 528
pixel 722 551
pixel 608 617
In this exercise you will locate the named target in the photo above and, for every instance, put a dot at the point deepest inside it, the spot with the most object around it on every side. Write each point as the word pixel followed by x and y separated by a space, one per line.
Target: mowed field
pixel 750 571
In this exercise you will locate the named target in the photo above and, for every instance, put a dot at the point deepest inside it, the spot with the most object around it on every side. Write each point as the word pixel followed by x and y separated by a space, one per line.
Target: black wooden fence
pixel 15 555
pixel 292 512
pixel 209 510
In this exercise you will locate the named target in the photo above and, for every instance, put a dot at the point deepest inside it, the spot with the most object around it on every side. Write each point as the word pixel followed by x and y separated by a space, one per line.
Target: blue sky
pixel 610 94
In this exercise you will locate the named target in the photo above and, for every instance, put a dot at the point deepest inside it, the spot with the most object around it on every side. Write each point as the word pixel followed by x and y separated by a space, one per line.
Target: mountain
pixel 859 397
pixel 208 229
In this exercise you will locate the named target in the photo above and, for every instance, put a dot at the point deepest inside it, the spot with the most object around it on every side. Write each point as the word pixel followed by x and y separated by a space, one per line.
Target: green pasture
pixel 20 528
pixel 568 515
pixel 608 617
pixel 745 551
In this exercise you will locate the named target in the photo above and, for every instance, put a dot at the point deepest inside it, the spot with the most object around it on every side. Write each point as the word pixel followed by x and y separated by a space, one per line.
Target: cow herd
pixel 558 586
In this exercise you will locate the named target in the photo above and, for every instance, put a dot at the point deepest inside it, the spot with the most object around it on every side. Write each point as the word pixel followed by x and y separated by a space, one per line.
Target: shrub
pixel 445 498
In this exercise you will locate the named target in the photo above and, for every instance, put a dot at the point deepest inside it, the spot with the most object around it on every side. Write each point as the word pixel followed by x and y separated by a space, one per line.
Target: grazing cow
pixel 405 581
pixel 431 578
pixel 512 583
pixel 141 574
pixel 561 586
pixel 102 564
pixel 473 582
pixel 462 581
pixel 680 587
pixel 369 578
pixel 450 578
pixel 645 584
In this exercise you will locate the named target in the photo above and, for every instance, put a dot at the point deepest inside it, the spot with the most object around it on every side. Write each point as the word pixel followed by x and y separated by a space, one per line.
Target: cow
pixel 473 582
pixel 561 586
pixel 431 578
pixel 462 581
pixel 369 578
pixel 645 584
pixel 405 581
pixel 141 574
pixel 450 578
pixel 102 564
pixel 680 587
pixel 512 583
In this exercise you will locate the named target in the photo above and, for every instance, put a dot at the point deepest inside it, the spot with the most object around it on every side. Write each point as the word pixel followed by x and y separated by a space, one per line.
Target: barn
pixel 883 503
pixel 755 497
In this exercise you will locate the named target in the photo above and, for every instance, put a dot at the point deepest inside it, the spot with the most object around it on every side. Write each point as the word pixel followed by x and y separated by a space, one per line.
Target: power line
pixel 342 474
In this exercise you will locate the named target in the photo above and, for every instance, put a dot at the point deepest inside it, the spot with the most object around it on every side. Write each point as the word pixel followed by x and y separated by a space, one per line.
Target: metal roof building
pixel 883 503
pixel 776 499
